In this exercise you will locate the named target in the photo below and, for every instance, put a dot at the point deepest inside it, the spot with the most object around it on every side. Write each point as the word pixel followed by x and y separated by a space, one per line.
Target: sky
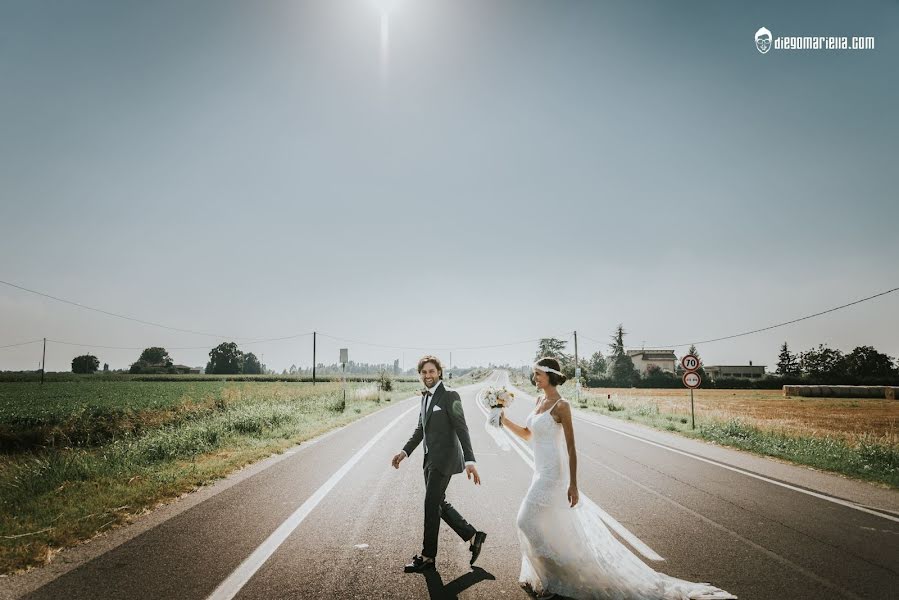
pixel 477 174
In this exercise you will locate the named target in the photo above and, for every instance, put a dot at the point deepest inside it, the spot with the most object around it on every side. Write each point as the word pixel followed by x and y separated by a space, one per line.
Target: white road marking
pixel 230 587
pixel 730 532
pixel 839 501
pixel 527 455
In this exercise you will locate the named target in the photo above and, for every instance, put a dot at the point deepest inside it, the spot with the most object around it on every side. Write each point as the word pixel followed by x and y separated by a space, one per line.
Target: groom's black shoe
pixel 476 544
pixel 418 565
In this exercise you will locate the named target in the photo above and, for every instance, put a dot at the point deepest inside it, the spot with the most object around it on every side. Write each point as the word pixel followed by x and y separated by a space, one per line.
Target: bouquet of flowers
pixel 495 399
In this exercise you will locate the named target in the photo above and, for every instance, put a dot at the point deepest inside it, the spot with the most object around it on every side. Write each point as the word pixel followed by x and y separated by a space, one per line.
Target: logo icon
pixel 763 40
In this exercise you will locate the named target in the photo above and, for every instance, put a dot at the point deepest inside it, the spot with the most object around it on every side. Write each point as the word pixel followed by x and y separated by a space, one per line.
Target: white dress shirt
pixel 425 411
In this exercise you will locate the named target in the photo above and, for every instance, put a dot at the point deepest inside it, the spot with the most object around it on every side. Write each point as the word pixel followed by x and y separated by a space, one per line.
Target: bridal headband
pixel 547 369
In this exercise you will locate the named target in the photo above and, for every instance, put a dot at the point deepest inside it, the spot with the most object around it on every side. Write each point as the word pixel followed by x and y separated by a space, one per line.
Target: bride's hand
pixel 573 495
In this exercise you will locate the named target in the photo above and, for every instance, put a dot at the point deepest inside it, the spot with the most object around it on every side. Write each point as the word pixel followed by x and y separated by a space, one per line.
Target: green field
pixel 81 456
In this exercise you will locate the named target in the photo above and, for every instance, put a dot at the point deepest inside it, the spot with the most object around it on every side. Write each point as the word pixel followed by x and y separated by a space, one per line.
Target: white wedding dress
pixel 570 551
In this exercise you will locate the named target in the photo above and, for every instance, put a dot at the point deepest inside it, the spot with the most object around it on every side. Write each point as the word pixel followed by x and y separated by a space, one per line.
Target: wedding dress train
pixel 570 551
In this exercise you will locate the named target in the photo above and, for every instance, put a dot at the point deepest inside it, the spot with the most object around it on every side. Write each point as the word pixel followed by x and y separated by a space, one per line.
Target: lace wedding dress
pixel 570 551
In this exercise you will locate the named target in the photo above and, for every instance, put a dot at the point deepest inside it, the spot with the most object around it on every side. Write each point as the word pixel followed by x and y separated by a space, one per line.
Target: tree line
pixel 822 365
pixel 224 359
pixel 864 364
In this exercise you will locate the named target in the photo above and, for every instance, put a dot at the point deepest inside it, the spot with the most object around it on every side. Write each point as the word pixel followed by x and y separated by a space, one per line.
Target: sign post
pixel 691 380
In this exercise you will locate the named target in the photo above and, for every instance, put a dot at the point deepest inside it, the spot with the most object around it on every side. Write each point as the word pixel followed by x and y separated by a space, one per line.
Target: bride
pixel 566 549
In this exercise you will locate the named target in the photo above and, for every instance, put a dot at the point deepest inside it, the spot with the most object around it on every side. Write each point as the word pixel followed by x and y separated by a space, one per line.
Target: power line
pixel 104 347
pixel 736 335
pixel 298 335
pixel 425 347
pixel 566 335
pixel 112 314
pixel 81 345
pixel 22 344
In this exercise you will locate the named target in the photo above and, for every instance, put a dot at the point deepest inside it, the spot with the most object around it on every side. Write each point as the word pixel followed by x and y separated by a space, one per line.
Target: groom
pixel 444 436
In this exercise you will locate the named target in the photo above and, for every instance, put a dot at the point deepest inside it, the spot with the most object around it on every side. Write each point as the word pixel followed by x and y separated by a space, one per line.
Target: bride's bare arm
pixel 563 410
pixel 522 432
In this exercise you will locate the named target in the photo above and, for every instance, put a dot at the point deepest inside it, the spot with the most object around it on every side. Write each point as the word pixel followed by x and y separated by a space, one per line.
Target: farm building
pixel 664 359
pixel 747 371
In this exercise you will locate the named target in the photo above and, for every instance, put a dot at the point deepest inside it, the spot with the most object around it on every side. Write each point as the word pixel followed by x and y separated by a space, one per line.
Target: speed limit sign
pixel 692 379
pixel 690 362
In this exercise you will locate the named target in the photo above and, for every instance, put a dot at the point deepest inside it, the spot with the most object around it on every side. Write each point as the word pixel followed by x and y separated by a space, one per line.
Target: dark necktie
pixel 425 395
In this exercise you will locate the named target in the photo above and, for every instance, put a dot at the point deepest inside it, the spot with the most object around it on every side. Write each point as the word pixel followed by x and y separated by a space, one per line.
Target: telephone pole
pixel 577 372
pixel 44 362
pixel 313 357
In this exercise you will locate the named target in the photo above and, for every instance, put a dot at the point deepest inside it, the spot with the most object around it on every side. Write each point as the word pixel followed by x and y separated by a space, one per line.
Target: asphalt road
pixel 334 520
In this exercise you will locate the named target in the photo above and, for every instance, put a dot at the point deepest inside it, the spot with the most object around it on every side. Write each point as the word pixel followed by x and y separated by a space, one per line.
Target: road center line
pixel 230 587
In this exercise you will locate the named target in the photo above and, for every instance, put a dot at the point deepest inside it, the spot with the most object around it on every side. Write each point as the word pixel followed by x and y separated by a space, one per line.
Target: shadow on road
pixel 438 591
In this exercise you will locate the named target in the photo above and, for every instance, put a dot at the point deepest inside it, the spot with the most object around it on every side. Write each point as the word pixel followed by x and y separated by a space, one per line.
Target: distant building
pixel 745 371
pixel 643 358
pixel 185 370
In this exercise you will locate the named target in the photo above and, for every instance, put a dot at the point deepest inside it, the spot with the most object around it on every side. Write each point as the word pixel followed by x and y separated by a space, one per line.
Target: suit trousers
pixel 436 508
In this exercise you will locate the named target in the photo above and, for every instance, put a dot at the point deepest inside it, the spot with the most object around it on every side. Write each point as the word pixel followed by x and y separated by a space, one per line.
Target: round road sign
pixel 692 379
pixel 689 362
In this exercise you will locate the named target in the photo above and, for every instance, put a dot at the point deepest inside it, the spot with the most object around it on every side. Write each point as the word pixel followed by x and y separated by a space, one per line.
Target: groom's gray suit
pixel 443 433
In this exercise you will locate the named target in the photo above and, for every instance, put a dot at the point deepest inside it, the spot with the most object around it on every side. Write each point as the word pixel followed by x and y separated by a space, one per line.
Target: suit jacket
pixel 449 445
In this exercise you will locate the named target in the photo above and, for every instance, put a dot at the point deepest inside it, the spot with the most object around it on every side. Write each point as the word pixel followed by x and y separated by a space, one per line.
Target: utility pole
pixel 44 362
pixel 577 372
pixel 313 357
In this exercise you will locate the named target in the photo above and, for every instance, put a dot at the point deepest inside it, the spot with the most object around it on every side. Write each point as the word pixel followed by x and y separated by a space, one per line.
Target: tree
pixel 624 373
pixel 105 367
pixel 822 363
pixel 156 356
pixel 616 348
pixel 787 362
pixel 86 363
pixel 225 359
pixel 597 365
pixel 251 365
pixel 865 361
pixel 655 376
pixel 568 367
pixel 701 370
pixel 551 347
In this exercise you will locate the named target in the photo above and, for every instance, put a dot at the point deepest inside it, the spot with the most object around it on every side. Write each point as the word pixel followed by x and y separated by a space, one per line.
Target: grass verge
pixel 68 486
pixel 863 455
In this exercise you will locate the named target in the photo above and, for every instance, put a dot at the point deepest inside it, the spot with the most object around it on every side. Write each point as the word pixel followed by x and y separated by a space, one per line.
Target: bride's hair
pixel 552 363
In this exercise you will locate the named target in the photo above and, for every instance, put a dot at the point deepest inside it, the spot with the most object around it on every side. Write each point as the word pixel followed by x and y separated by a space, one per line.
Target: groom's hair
pixel 430 359
pixel 552 363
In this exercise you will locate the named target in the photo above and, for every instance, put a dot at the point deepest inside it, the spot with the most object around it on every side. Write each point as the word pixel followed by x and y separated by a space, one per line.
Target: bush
pixel 385 383
pixel 86 363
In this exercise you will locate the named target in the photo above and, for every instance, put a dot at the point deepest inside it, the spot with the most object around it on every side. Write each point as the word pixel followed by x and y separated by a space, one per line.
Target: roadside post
pixel 344 359
pixel 691 380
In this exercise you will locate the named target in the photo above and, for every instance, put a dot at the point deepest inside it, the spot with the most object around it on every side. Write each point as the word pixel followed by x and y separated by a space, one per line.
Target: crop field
pixel 78 457
pixel 854 437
